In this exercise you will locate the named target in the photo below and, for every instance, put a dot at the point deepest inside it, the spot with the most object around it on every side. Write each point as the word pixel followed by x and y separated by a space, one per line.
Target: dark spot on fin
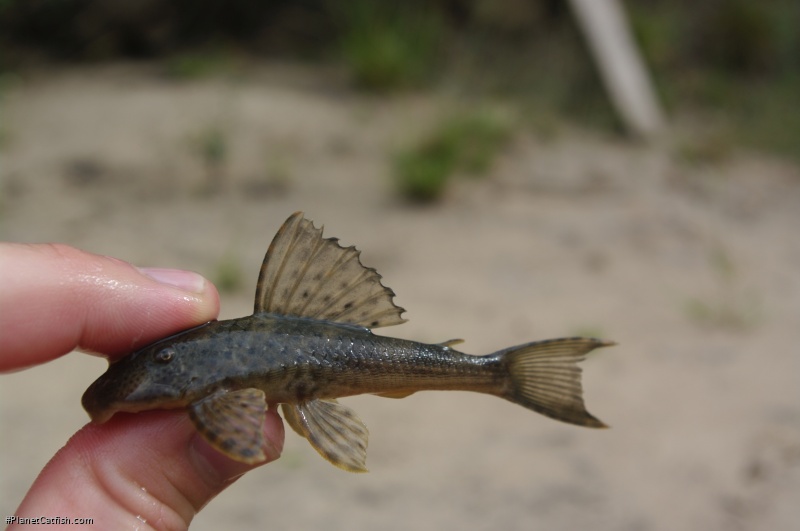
pixel 333 430
pixel 232 423
pixel 306 275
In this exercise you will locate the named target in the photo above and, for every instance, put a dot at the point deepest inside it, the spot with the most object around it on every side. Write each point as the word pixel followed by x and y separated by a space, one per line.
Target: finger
pixel 148 469
pixel 56 298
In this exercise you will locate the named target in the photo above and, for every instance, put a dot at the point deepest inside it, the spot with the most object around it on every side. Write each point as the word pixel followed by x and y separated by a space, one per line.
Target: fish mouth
pixel 100 417
pixel 102 413
pixel 103 399
pixel 99 411
pixel 98 408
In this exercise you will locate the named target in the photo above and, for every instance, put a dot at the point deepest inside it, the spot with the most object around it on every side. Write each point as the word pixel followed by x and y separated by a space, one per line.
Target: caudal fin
pixel 544 376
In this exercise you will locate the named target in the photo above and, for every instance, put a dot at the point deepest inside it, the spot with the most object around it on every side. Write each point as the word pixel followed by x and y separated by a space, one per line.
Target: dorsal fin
pixel 306 275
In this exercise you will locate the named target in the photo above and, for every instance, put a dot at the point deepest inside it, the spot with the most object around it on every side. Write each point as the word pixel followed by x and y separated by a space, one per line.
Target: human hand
pixel 148 469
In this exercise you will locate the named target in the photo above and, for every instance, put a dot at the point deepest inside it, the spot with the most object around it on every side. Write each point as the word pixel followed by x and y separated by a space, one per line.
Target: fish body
pixel 309 342
pixel 291 359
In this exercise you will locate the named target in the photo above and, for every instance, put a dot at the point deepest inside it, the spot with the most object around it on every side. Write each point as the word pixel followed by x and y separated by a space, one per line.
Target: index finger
pixel 55 298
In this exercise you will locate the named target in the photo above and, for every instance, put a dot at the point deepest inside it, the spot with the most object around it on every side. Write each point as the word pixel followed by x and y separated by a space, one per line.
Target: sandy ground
pixel 694 270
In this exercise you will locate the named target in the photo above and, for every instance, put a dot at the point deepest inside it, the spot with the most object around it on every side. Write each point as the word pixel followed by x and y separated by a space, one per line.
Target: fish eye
pixel 165 355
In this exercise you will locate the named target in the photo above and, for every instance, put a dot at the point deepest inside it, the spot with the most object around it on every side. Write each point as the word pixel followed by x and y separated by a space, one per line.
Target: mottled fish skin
pixel 292 359
pixel 307 344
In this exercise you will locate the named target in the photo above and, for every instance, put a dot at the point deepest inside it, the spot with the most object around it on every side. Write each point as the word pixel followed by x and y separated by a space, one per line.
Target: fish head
pixel 159 376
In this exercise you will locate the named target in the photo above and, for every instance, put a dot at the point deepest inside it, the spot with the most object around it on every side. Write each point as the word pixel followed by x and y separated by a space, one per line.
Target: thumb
pixel 138 469
pixel 64 298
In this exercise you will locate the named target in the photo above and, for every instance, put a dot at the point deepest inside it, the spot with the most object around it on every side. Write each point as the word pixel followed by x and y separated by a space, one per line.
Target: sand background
pixel 693 268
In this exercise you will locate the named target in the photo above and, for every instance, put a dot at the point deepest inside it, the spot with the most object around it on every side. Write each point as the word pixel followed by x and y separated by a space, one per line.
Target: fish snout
pixel 96 401
pixel 119 389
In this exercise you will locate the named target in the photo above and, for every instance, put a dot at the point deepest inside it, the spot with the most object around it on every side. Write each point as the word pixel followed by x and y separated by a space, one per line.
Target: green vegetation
pixel 467 143
pixel 705 148
pixel 212 145
pixel 198 64
pixel 387 45
pixel 422 173
pixel 228 276
pixel 729 64
pixel 6 82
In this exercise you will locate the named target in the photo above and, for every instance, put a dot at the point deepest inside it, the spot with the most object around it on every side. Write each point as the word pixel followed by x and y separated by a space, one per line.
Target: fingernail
pixel 179 278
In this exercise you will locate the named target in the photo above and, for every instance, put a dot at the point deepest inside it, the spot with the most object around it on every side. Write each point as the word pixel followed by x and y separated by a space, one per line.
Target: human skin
pixel 136 470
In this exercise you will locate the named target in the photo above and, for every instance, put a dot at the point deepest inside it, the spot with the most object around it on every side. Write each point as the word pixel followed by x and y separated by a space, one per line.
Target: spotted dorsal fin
pixel 306 275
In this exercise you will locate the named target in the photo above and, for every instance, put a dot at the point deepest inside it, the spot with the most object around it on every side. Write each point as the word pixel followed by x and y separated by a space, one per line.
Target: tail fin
pixel 544 376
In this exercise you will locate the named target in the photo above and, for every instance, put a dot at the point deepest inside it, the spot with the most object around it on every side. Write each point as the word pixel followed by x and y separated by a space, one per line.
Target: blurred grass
pixel 212 146
pixel 198 64
pixel 7 81
pixel 467 142
pixel 733 64
pixel 228 274
pixel 704 148
pixel 388 45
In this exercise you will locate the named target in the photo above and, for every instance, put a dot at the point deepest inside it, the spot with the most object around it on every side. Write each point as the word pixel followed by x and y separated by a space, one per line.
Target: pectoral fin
pixel 333 430
pixel 231 422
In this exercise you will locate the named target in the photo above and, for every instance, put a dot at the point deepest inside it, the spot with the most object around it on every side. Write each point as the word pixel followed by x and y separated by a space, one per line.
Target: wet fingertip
pixel 219 470
pixel 216 469
pixel 273 434
pixel 178 278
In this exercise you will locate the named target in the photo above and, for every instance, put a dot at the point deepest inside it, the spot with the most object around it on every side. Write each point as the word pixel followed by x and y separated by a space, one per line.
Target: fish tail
pixel 544 376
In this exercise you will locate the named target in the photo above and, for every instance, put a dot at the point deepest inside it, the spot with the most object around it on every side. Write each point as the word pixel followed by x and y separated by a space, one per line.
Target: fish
pixel 308 343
